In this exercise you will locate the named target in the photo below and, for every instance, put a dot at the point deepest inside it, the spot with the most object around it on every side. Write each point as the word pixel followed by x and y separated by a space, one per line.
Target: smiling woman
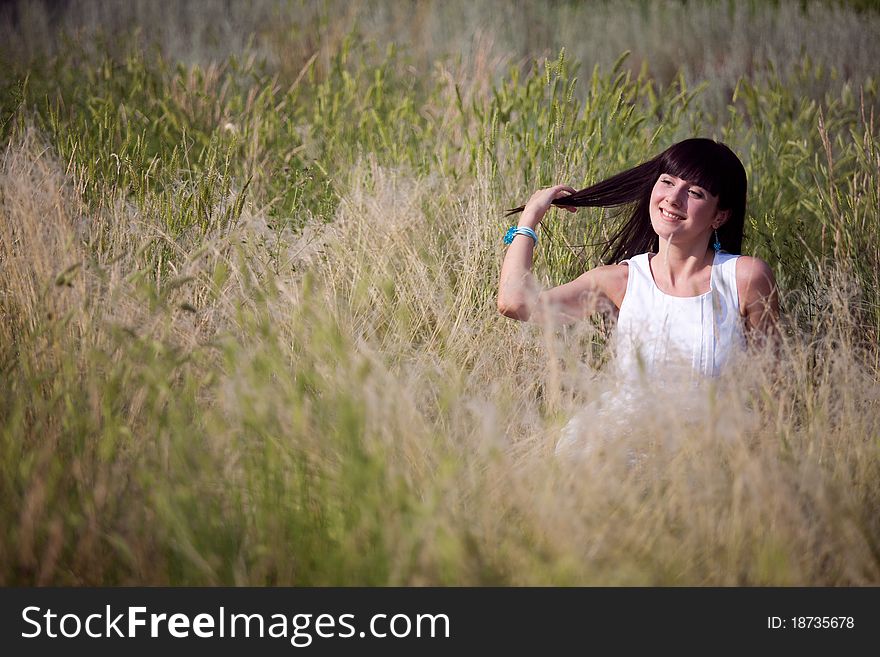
pixel 685 299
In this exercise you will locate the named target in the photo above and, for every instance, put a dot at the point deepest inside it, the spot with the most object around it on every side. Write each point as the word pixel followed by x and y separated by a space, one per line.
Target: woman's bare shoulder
pixel 754 273
pixel 756 286
pixel 612 279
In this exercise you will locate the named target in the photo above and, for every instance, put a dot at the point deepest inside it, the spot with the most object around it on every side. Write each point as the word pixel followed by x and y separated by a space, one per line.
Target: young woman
pixel 686 301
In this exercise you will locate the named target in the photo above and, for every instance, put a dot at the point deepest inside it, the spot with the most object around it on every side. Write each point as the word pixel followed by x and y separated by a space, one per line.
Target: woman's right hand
pixel 540 202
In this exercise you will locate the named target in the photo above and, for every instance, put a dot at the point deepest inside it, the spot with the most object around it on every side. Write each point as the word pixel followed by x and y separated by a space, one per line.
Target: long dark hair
pixel 704 162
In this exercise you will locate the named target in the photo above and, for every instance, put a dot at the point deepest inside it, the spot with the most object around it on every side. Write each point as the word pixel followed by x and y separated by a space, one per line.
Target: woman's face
pixel 683 211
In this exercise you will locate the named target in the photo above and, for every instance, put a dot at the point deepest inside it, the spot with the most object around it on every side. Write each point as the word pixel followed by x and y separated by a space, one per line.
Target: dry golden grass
pixel 248 328
pixel 344 405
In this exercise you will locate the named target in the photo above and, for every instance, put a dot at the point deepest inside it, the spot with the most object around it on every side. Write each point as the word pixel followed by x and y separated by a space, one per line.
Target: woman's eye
pixel 696 193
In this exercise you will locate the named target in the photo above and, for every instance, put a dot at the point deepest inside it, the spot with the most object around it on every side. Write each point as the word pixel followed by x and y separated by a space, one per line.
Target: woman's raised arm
pixel 520 296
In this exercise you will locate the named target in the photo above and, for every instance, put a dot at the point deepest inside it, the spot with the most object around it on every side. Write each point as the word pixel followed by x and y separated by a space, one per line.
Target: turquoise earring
pixel 717 243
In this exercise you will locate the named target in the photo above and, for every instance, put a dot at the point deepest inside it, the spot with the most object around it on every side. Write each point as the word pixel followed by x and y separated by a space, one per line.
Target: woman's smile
pixel 682 208
pixel 667 214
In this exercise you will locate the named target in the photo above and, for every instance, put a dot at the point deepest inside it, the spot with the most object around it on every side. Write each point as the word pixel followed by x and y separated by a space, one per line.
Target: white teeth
pixel 669 214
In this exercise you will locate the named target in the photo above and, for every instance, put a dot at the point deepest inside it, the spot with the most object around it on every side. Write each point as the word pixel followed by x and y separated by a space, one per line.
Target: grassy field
pixel 248 263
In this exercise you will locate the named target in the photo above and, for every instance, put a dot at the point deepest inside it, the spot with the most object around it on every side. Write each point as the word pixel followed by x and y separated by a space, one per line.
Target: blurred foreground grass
pixel 247 273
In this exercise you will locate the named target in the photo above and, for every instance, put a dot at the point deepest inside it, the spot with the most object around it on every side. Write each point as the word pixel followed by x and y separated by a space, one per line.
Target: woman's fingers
pixel 565 190
pixel 543 199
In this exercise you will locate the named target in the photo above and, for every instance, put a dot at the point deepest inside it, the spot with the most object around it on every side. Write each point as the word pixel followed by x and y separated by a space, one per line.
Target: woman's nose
pixel 676 196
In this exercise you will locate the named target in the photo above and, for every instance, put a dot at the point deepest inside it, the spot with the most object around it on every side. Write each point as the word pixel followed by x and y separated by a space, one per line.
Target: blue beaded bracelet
pixel 513 231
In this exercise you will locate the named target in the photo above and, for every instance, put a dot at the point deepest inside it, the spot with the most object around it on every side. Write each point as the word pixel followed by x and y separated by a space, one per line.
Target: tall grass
pixel 248 330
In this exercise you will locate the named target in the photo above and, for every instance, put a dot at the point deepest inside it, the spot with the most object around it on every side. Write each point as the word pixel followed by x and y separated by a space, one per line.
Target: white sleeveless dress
pixel 656 331
pixel 664 340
